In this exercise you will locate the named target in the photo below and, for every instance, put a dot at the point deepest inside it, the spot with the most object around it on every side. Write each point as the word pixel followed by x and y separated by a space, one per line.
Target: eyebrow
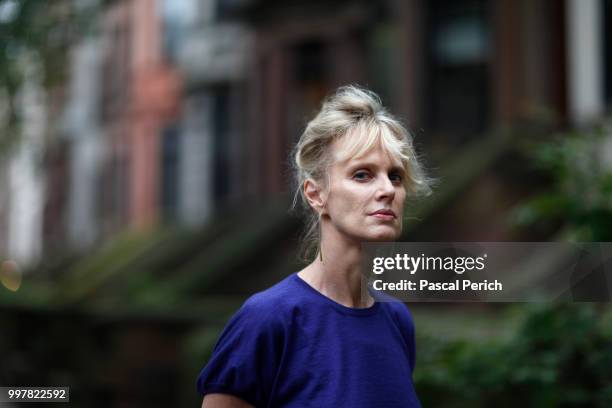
pixel 358 165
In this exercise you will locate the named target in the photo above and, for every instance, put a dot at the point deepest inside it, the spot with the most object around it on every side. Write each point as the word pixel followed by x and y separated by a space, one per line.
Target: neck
pixel 338 275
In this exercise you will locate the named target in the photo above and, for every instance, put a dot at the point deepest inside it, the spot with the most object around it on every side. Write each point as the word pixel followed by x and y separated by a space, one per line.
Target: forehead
pixel 344 154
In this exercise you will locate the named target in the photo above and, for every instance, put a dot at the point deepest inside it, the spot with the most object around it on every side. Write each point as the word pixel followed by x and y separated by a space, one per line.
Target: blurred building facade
pixel 124 97
pixel 22 175
pixel 140 99
pixel 178 109
pixel 214 54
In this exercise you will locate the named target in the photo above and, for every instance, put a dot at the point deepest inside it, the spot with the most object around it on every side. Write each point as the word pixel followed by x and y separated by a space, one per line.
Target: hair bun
pixel 356 102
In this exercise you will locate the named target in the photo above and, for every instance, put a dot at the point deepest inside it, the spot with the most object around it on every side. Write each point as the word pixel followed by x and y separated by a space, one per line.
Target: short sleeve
pixel 246 356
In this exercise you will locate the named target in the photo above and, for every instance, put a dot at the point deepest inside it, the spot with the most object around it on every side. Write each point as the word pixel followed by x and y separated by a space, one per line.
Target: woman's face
pixel 365 198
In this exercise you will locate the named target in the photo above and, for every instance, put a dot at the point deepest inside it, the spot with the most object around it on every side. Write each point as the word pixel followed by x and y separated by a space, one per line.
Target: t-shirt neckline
pixel 362 311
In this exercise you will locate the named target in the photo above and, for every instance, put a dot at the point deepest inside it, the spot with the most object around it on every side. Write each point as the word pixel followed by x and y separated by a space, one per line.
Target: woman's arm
pixel 224 401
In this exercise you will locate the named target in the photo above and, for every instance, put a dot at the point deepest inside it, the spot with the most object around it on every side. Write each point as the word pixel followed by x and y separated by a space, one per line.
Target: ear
pixel 315 196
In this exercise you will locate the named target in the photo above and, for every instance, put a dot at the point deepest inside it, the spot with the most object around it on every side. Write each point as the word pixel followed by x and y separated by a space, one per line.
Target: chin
pixel 383 236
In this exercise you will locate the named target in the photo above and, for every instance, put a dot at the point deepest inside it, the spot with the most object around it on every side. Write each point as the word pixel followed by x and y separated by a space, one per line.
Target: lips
pixel 384 214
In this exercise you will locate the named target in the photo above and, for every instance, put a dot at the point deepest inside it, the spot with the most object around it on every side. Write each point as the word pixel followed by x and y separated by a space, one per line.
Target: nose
pixel 386 189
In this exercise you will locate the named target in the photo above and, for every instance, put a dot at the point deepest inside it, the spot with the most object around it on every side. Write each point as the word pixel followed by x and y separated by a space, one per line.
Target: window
pixel 311 65
pixel 170 171
pixel 222 145
pixel 458 61
pixel 177 16
pixel 607 43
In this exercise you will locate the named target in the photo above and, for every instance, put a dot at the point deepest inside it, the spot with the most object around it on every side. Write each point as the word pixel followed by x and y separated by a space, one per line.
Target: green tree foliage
pixel 561 356
pixel 581 190
pixel 35 30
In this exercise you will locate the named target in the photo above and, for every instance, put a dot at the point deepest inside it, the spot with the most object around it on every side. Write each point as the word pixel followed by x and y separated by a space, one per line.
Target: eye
pixel 361 175
pixel 396 178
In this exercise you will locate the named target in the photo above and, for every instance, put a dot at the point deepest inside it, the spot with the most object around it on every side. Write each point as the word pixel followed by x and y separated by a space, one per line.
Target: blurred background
pixel 145 179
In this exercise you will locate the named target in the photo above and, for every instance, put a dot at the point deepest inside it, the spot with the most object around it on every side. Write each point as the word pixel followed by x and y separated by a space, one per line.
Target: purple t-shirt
pixel 291 346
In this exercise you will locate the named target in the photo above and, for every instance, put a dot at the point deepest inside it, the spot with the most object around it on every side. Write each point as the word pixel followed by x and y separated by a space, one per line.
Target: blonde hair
pixel 357 114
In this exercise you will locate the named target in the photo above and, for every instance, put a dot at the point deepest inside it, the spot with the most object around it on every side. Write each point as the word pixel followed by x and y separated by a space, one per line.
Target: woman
pixel 316 339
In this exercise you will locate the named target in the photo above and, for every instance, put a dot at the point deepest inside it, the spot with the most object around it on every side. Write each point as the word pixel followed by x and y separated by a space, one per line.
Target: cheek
pixel 402 202
pixel 347 205
pixel 401 196
pixel 348 202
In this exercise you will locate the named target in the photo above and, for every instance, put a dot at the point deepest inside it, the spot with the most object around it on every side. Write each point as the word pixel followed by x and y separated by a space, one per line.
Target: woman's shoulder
pixel 274 303
pixel 250 347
